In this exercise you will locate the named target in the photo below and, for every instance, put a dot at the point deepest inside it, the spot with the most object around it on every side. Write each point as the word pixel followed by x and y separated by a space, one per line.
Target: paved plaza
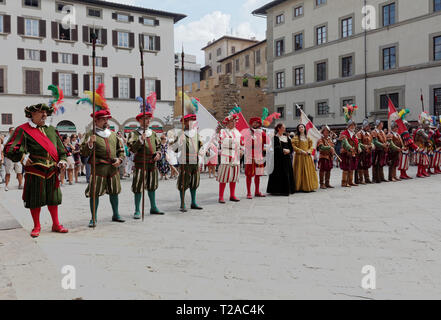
pixel 308 245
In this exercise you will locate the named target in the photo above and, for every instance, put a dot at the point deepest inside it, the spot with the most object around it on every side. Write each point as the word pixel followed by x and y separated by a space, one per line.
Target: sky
pixel 209 19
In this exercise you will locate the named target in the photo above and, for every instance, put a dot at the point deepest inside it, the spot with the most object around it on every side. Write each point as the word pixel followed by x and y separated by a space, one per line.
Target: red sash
pixel 42 140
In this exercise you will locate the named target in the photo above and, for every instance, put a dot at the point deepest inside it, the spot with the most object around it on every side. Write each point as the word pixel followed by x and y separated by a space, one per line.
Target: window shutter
pixel 158 89
pixel 132 88
pixel 20 25
pixel 85 60
pixel 158 43
pixel 20 53
pixel 75 33
pixel 141 41
pixel 156 22
pixel 54 27
pixel 86 82
pixel 75 59
pixel 141 20
pixel 131 19
pixel 85 34
pixel 114 15
pixel 131 40
pixel 6 24
pixel 104 36
pixel 75 84
pixel 114 38
pixel 42 27
pixel 115 87
pixel 105 62
pixel 141 94
pixel 2 84
pixel 55 57
pixel 55 78
pixel 43 55
pixel 28 82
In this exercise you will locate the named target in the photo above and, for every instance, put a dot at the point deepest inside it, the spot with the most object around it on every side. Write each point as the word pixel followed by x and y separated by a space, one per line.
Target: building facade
pixel 218 49
pixel 192 70
pixel 49 42
pixel 321 57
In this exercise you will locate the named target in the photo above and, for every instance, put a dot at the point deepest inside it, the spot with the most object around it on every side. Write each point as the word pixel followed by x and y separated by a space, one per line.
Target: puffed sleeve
pixel 15 148
pixel 296 144
pixel 134 143
pixel 85 150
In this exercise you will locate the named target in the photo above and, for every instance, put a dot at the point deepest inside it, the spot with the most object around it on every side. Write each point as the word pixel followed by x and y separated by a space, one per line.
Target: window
pixel 279 48
pixel 258 57
pixel 98 61
pixel 149 42
pixel 32 3
pixel 98 33
pixel 64 34
pixel 321 35
pixel 209 56
pixel 31 27
pixel 150 86
pixel 237 65
pixel 219 69
pixel 123 39
pixel 122 17
pixel 388 14
pixel 32 54
pixel 219 52
pixel 344 103
pixel 210 72
pixel 298 11
pixel 228 68
pixel 322 108
pixel 320 2
pixel 280 19
pixel 32 82
pixel 1 24
pixel 297 113
pixel 280 80
pixel 99 78
pixel 437 48
pixel 321 71
pixel 298 41
pixel 91 12
pixel 148 21
pixel 247 61
pixel 384 102
pixel 437 100
pixel 123 88
pixel 65 83
pixel 281 110
pixel 389 58
pixel 7 118
pixel 2 81
pixel 346 28
pixel 60 7
pixel 299 76
pixel 436 5
pixel 65 58
pixel 346 67
pixel 233 49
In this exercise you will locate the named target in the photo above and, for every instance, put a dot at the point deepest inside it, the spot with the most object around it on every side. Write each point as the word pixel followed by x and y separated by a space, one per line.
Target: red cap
pixel 233 116
pixel 255 119
pixel 102 114
pixel 191 117
pixel 147 114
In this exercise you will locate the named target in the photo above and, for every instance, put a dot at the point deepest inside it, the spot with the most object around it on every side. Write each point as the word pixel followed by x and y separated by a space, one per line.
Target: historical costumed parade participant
pixel 395 147
pixel 149 142
pixel 350 149
pixel 365 157
pixel 229 169
pixel 380 152
pixel 39 148
pixel 436 142
pixel 189 144
pixel 305 177
pixel 109 155
pixel 254 139
pixel 421 138
pixel 326 148
pixel 281 179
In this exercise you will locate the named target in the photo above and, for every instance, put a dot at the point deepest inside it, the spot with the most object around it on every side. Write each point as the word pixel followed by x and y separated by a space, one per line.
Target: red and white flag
pixel 311 129
pixel 394 116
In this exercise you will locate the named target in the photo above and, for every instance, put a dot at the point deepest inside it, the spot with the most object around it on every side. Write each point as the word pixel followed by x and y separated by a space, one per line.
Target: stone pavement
pixel 308 245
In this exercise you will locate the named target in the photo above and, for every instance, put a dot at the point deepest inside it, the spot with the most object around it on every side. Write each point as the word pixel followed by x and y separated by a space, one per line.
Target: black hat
pixel 38 107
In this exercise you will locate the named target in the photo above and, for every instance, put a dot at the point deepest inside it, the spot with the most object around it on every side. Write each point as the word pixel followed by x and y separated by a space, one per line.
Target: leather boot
pixel 366 176
pixel 356 177
pixel 350 179
pixel 391 177
pixel 344 179
pixel 375 174
pixel 322 179
pixel 327 178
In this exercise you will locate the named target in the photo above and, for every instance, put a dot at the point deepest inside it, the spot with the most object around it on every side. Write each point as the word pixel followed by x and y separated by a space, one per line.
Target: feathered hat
pixel 233 114
pixel 267 118
pixel 349 111
pixel 191 107
pixel 150 106
pixel 57 98
pixel 424 118
pixel 101 108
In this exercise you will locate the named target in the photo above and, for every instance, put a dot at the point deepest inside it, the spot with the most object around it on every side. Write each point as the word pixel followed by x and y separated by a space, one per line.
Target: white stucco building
pixel 37 51
pixel 320 57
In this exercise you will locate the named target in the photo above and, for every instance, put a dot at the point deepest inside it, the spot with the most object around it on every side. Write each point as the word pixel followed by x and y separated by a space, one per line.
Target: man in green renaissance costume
pixel 109 153
pixel 40 150
pixel 150 143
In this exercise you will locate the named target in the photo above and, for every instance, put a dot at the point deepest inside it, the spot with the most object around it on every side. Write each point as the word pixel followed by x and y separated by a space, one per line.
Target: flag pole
pixel 94 37
pixel 183 129
pixel 141 50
